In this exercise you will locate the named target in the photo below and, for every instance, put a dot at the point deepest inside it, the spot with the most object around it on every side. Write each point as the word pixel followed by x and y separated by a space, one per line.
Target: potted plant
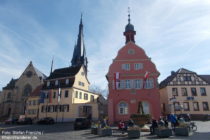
pixel 163 132
pixel 140 119
pixel 94 128
pixel 106 131
pixel 183 130
pixel 134 132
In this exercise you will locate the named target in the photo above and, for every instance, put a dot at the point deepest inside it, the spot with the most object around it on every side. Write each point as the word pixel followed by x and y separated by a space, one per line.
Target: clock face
pixel 29 74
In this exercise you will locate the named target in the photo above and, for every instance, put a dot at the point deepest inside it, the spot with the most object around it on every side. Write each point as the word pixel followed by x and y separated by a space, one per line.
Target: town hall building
pixel 132 82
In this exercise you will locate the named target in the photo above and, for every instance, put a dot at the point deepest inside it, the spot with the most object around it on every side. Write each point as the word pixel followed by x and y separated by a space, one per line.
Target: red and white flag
pixel 146 75
pixel 116 80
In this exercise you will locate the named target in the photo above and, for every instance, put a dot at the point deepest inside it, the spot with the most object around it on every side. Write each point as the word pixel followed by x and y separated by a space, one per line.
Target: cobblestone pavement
pixel 66 132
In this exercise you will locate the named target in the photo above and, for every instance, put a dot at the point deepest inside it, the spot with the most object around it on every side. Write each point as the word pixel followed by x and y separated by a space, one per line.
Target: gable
pixel 187 79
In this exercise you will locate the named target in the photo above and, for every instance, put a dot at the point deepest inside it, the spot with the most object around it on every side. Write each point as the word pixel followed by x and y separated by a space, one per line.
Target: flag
pixel 59 94
pixel 146 75
pixel 116 80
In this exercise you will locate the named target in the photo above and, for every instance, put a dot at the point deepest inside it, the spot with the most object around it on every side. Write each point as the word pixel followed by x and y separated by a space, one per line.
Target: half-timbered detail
pixel 185 91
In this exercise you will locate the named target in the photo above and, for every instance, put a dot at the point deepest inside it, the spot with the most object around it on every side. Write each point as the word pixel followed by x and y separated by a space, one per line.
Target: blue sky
pixel 174 33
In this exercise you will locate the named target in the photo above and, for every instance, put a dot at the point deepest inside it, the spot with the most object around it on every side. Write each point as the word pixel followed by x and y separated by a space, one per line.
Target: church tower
pixel 79 56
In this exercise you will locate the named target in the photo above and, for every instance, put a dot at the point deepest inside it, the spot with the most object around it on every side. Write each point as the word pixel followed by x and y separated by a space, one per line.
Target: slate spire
pixel 79 56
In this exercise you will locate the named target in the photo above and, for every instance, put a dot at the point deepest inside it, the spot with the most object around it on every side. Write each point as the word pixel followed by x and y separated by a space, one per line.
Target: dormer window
pixel 67 81
pixel 48 83
pixel 56 82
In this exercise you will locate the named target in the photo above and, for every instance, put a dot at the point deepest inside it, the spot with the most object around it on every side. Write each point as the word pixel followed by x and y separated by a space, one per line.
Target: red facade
pixel 132 79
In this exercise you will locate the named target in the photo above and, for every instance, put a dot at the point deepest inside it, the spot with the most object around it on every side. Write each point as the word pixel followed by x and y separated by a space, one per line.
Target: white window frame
pixel 123 108
pixel 138 66
pixel 126 66
pixel 128 84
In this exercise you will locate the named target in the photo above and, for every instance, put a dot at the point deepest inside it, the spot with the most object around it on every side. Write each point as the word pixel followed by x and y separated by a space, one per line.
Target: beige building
pixel 16 92
pixel 67 96
pixel 186 92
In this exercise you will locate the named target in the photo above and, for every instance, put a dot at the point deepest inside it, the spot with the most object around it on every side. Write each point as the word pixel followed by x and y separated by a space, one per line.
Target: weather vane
pixel 129 15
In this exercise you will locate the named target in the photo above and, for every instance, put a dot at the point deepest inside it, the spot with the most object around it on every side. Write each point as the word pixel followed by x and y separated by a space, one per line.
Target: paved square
pixel 66 132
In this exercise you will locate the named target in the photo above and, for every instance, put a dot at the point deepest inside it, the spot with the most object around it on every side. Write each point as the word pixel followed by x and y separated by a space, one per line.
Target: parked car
pixel 11 121
pixel 46 120
pixel 81 123
pixel 186 117
pixel 25 121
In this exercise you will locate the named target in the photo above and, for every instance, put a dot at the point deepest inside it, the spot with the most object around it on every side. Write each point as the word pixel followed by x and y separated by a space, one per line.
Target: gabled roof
pixel 206 78
pixel 10 85
pixel 40 74
pixel 64 72
pixel 36 91
pixel 165 82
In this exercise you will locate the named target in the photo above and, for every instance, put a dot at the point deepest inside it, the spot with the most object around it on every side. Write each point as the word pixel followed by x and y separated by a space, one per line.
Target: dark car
pixel 25 121
pixel 186 117
pixel 81 123
pixel 46 120
pixel 11 121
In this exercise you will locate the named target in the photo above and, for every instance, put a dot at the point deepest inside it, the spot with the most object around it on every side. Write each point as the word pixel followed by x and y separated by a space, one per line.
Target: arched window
pixel 123 108
pixel 9 95
pixel 27 90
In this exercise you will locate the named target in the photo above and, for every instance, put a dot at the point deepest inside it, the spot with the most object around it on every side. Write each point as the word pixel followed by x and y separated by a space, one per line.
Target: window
pixel 122 84
pixel 127 84
pixel 149 83
pixel 131 51
pixel 92 98
pixel 177 106
pixel 187 78
pixel 138 66
pixel 56 82
pixel 123 108
pixel 67 81
pixel 126 66
pixel 186 106
pixel 205 106
pixel 174 92
pixel 81 83
pixel 27 90
pixel 184 91
pixel 80 95
pixel 34 102
pixel 138 84
pixel 195 106
pixel 85 96
pixel 203 91
pixel 66 108
pixel 48 83
pixel 66 94
pixel 9 95
pixel 29 102
pixel 193 91
pixel 76 94
pixel 54 95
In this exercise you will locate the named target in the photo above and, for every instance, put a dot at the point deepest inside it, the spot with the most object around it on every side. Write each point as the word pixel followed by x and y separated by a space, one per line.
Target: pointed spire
pixel 79 56
pixel 52 65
